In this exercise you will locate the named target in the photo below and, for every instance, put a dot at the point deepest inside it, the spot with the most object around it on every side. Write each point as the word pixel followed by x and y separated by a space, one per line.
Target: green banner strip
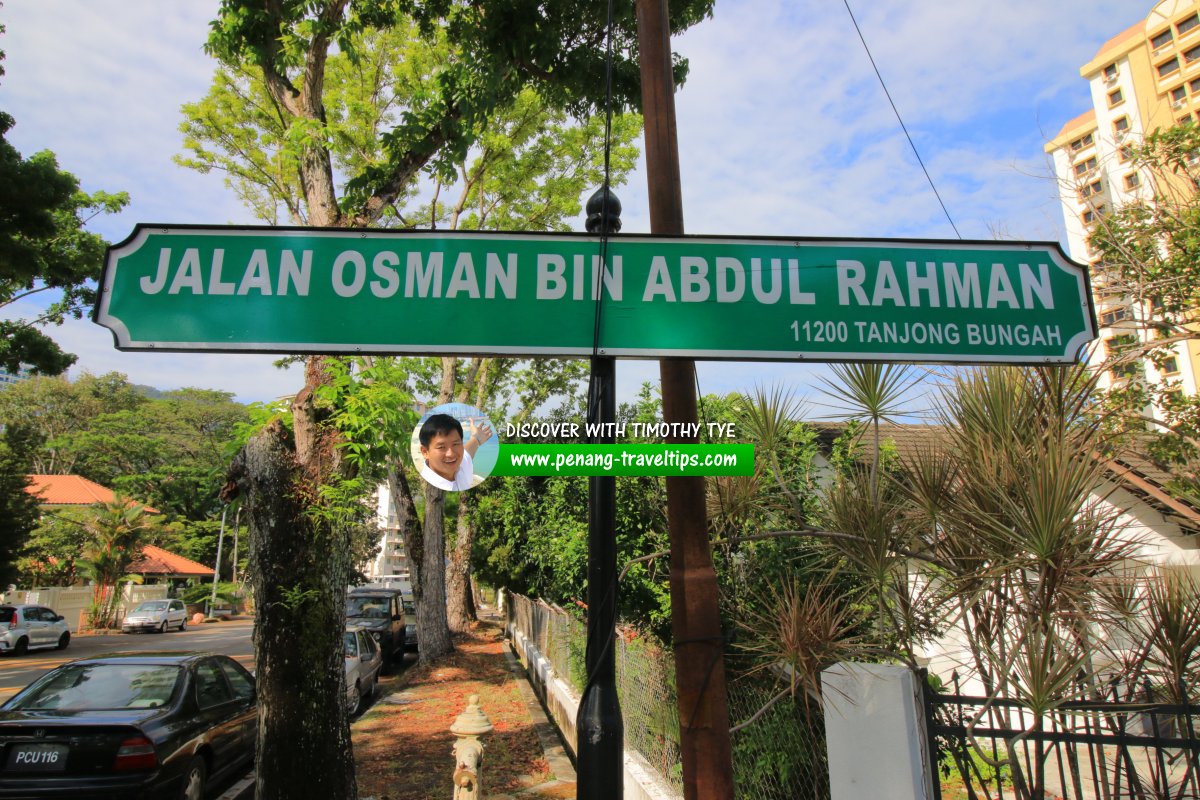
pixel 625 459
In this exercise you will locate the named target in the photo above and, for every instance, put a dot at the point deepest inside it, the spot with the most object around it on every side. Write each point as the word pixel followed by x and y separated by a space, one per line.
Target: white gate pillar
pixel 875 732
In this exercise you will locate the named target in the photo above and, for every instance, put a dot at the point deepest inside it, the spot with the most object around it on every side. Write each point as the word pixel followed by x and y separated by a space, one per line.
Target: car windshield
pixel 96 687
pixel 369 607
pixel 152 605
pixel 351 644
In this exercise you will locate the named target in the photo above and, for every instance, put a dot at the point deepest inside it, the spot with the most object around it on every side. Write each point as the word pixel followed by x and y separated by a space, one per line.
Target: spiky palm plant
pixel 1025 532
pixel 114 533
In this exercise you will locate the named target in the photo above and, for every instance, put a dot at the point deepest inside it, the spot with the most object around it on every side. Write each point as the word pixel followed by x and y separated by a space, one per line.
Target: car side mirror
pixel 59 617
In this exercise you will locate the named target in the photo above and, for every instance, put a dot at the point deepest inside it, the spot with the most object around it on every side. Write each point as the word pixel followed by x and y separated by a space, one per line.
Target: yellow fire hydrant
pixel 468 751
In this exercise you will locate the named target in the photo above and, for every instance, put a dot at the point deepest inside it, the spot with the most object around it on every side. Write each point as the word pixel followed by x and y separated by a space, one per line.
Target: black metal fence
pixel 1135 742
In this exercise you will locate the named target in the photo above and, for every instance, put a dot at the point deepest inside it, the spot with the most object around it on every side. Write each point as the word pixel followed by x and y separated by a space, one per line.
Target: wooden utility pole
pixel 695 617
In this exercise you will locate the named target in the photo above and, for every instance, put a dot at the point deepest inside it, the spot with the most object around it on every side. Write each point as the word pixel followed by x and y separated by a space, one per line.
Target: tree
pixel 114 535
pixel 44 248
pixel 43 411
pixel 18 511
pixel 54 548
pixel 1149 269
pixel 170 452
pixel 494 53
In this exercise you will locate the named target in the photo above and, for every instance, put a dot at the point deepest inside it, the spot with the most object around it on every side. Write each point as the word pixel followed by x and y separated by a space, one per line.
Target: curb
pixel 556 754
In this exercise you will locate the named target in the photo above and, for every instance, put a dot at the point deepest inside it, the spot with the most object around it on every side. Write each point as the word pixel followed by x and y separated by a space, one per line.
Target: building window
pixel 1183 26
pixel 1093 188
pixel 1121 124
pixel 1111 72
pixel 1161 40
pixel 1125 153
pixel 1110 318
pixel 1081 142
pixel 1186 119
pixel 1115 97
pixel 1119 346
pixel 1170 366
pixel 1090 216
pixel 1084 167
pixel 1133 180
pixel 1179 94
pixel 1167 67
pixel 1192 55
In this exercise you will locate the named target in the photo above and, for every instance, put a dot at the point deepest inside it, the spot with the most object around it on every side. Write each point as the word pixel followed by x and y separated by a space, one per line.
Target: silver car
pixel 25 627
pixel 156 615
pixel 363 662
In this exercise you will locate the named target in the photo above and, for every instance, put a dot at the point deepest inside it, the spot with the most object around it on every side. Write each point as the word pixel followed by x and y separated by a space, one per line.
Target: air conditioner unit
pixel 1179 103
pixel 1120 136
pixel 1111 79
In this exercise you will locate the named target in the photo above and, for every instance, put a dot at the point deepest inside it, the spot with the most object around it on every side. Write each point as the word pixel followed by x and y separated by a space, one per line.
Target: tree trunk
pixel 298 568
pixel 409 525
pixel 460 610
pixel 433 632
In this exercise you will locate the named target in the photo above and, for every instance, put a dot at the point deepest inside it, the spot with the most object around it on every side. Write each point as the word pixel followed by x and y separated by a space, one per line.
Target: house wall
pixel 1158 542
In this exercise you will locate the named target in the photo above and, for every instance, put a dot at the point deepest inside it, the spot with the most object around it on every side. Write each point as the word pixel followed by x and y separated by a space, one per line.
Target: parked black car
pixel 380 612
pixel 128 725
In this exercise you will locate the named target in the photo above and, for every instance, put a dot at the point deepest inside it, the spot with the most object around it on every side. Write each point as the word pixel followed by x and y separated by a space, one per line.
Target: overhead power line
pixel 900 119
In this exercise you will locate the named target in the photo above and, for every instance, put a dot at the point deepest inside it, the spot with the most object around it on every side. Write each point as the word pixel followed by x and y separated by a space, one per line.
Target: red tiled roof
pixel 70 490
pixel 156 561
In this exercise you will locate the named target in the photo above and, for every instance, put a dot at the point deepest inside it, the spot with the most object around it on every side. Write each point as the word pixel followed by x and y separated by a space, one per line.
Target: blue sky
pixel 783 130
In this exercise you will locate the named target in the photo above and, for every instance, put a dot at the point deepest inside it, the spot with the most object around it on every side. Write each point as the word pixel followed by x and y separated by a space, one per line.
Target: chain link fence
pixel 779 756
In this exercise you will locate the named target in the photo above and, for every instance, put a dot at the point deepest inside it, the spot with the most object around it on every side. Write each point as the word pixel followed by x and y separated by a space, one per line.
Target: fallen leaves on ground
pixel 404 750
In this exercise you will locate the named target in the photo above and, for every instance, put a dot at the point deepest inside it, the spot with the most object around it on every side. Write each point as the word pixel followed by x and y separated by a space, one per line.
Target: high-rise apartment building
pixel 1144 78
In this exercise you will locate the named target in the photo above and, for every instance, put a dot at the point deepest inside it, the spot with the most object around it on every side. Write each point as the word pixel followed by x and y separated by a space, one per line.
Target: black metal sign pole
pixel 600 731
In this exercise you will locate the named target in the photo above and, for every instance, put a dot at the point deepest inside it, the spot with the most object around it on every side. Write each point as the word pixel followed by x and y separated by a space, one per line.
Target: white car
pixel 363 662
pixel 29 627
pixel 156 615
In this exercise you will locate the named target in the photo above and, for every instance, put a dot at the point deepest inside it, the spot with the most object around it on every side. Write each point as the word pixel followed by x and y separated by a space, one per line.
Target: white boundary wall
pixel 875 731
pixel 74 601
pixel 640 780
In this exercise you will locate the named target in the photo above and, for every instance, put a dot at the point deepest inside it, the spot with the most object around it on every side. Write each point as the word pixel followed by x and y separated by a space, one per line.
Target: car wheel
pixel 194 780
pixel 163 628
pixel 183 624
pixel 64 640
pixel 354 702
pixel 22 647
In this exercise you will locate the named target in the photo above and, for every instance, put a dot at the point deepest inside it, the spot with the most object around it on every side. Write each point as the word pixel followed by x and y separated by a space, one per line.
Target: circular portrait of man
pixel 454 446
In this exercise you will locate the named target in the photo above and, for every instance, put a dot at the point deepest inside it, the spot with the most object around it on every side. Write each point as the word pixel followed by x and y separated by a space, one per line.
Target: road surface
pixel 231 638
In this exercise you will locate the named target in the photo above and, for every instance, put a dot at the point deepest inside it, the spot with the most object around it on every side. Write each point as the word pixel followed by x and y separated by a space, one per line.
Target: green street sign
pixel 292 290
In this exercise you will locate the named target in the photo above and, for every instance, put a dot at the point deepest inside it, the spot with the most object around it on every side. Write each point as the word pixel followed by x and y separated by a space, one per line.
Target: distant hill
pixel 149 391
